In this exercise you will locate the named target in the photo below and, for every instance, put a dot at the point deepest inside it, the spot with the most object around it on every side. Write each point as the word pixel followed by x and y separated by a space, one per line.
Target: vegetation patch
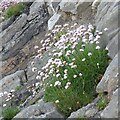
pixel 71 75
pixel 102 103
pixel 14 10
pixel 10 112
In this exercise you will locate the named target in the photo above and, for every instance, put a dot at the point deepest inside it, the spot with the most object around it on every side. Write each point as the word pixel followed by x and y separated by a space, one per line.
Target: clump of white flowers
pixel 75 63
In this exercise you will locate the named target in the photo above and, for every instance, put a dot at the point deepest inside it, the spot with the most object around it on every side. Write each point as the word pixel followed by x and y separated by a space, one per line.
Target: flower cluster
pixel 4 4
pixel 76 62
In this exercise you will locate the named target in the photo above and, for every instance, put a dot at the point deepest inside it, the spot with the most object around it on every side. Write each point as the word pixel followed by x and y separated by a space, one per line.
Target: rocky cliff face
pixel 21 38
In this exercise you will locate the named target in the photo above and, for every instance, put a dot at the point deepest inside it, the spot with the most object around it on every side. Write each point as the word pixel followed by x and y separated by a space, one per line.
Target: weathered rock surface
pixel 87 111
pixel 107 17
pixel 109 82
pixel 39 110
pixel 10 82
pixel 79 11
pixel 20 32
pixel 111 111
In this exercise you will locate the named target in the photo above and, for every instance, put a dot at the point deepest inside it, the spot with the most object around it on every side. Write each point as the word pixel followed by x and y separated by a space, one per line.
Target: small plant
pixel 102 103
pixel 10 112
pixel 82 118
pixel 14 10
pixel 72 72
pixel 18 88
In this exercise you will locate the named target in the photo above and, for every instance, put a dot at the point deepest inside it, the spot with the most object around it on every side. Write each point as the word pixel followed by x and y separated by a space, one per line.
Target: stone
pixel 53 21
pixel 91 112
pixel 18 35
pixel 107 17
pixel 109 81
pixel 111 111
pixel 80 112
pixel 40 109
pixel 7 23
pixel 10 82
pixel 113 46
pixel 38 63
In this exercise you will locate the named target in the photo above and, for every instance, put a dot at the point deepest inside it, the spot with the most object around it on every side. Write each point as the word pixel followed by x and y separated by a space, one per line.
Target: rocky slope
pixel 21 39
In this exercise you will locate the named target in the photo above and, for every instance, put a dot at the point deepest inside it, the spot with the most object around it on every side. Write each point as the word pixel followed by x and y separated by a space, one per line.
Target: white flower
pixel 51 85
pixel 83 59
pixel 7 100
pixel 73 66
pixel 81 50
pixel 106 48
pixel 36 47
pixel 100 33
pixel 57 83
pixel 89 54
pixel 97 42
pixel 105 29
pixel 74 76
pixel 65 76
pixel 4 105
pixel 80 74
pixel 98 64
pixel 1 94
pixel 36 84
pixel 65 71
pixel 38 77
pixel 12 90
pixel 73 59
pixel 97 47
pixel 57 101
pixel 67 85
pixel 34 69
pixel 57 75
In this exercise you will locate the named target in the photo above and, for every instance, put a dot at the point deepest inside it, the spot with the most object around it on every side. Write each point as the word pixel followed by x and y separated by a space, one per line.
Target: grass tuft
pixel 14 10
pixel 10 112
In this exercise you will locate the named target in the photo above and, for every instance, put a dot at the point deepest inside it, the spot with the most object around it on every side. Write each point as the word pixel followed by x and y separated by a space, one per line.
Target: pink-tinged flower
pixel 89 54
pixel 83 59
pixel 57 101
pixel 105 29
pixel 80 74
pixel 97 47
pixel 74 76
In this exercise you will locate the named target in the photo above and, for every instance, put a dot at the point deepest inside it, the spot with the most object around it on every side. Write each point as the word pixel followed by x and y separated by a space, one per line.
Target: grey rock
pixel 113 46
pixel 22 30
pixel 53 21
pixel 38 63
pixel 40 109
pixel 111 111
pixel 13 29
pixel 91 112
pixel 12 81
pixel 107 17
pixel 109 81
pixel 7 22
pixel 81 112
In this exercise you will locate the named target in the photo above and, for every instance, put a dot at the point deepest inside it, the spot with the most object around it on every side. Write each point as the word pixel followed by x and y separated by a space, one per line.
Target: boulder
pixel 41 110
pixel 109 81
pixel 111 111
pixel 16 35
pixel 53 21
pixel 107 17
pixel 10 82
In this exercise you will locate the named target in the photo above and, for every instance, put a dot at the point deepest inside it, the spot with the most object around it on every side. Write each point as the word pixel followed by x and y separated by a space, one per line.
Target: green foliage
pixel 10 112
pixel 82 88
pixel 14 10
pixel 102 103
pixel 18 88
